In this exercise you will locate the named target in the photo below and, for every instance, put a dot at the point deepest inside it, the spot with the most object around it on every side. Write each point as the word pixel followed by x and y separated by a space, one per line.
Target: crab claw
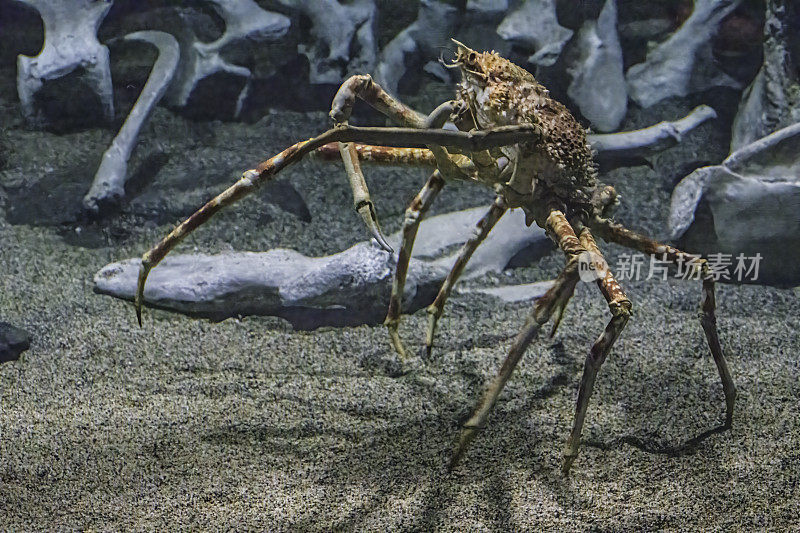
pixel 144 270
pixel 367 212
pixel 361 199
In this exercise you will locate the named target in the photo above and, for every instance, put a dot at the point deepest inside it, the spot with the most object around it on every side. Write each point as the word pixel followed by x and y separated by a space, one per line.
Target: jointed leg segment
pixel 612 232
pixel 361 199
pixel 361 86
pixel 543 309
pixel 381 155
pixel 414 214
pixel 451 166
pixel 620 307
pixel 483 228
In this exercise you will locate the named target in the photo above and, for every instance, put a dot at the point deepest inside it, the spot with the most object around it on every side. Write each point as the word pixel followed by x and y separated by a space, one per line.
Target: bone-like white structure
pixel 244 21
pixel 425 37
pixel 349 287
pixel 70 43
pixel 598 81
pixel 338 29
pixel 772 101
pixel 750 204
pixel 526 292
pixel 647 141
pixel 683 64
pixel 109 180
pixel 535 25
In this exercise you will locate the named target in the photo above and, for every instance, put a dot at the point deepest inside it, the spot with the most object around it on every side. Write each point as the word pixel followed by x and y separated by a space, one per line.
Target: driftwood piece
pixel 346 288
pixel 647 141
pixel 526 292
pixel 488 8
pixel 772 101
pixel 343 38
pixel 424 38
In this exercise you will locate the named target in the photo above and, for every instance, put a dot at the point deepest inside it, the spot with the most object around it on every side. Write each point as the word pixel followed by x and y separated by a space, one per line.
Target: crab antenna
pixel 443 61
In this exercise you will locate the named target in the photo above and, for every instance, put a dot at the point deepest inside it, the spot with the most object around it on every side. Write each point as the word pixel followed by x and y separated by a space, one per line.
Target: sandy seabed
pixel 248 425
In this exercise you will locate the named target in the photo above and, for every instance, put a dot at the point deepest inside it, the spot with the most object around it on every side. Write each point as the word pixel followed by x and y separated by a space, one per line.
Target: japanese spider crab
pixel 509 135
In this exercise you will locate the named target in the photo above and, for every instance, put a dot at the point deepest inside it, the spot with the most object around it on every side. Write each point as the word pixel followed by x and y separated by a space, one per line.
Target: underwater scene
pixel 387 265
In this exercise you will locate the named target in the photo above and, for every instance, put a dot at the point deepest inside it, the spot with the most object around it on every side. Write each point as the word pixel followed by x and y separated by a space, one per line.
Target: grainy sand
pixel 248 425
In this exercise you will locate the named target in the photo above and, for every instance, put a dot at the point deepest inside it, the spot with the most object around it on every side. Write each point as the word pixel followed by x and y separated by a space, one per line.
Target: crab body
pixel 496 92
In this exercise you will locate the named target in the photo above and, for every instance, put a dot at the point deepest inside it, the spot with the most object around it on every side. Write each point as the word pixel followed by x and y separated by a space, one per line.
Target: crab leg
pixel 620 307
pixel 482 229
pixel 414 214
pixel 617 233
pixel 452 166
pixel 267 170
pixel 380 155
pixel 543 309
pixel 361 199
pixel 362 86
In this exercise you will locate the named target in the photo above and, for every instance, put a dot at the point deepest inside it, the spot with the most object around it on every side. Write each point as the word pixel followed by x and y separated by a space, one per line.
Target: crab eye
pixel 472 58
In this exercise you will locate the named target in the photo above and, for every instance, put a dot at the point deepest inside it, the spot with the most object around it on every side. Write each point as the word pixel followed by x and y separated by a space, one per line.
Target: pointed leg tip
pixel 396 341
pixel 144 270
pixel 385 246
pixel 453 463
pixel 730 404
pixel 464 440
pixel 728 423
pixel 566 466
pixel 554 327
pixel 137 306
pixel 382 242
pixel 433 319
pixel 367 212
